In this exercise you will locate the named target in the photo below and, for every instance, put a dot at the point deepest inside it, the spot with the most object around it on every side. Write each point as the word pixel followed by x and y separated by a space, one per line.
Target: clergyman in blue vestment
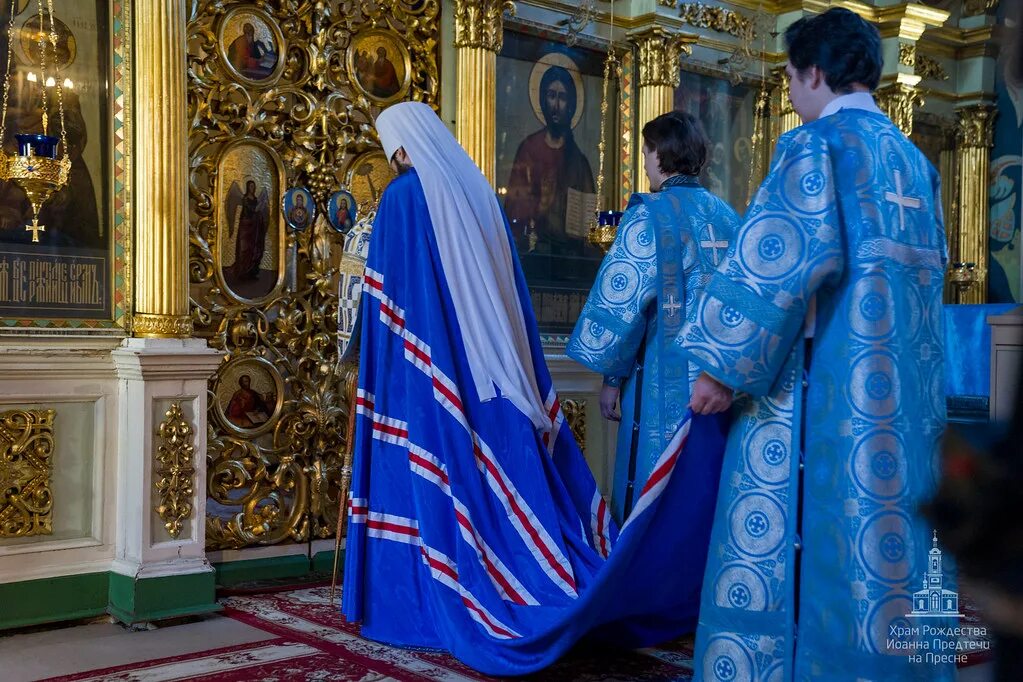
pixel 474 523
pixel 826 319
pixel 669 243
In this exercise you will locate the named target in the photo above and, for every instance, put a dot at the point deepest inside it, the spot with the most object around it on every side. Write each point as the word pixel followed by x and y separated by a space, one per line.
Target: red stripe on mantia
pixel 533 534
pixel 393 527
pixel 663 470
pixel 491 568
pixel 415 350
pixel 429 466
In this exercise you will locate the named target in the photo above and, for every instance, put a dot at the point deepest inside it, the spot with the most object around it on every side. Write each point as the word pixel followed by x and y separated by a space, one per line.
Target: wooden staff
pixel 352 383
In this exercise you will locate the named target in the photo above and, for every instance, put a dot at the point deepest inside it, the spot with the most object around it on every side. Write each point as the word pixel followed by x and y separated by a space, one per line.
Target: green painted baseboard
pixel 324 562
pixel 233 573
pixel 149 599
pixel 50 600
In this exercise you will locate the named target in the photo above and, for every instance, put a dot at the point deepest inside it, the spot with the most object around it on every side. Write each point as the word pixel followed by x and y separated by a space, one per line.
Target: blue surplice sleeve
pixel 789 245
pixel 609 331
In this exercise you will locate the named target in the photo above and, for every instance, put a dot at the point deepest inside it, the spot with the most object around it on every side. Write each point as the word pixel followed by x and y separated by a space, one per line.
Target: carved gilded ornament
pixel 175 470
pixel 929 68
pixel 973 8
pixel 480 23
pixel 161 326
pixel 660 55
pixel 975 128
pixel 26 470
pixel 898 101
pixel 907 54
pixel 715 18
pixel 275 455
pixel 575 416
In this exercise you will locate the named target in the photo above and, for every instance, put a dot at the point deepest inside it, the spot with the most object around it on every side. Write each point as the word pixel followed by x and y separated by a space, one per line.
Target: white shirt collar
pixel 855 100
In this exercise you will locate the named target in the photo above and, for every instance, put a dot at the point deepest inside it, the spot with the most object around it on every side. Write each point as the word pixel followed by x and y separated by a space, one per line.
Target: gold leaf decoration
pixel 175 470
pixel 575 416
pixel 929 68
pixel 26 470
pixel 304 109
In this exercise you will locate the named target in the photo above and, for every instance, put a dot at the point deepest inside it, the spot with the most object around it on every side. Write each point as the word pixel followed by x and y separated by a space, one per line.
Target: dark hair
pixel 679 141
pixel 561 75
pixel 840 43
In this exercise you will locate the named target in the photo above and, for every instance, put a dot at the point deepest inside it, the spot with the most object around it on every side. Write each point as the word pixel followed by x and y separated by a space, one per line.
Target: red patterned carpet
pixel 307 641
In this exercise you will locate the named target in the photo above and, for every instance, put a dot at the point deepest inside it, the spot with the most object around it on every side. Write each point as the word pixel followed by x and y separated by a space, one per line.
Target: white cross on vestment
pixel 672 306
pixel 903 202
pixel 713 244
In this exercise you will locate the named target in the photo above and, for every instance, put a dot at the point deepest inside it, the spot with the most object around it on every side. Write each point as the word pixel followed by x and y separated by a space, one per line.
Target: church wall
pixel 77 380
pixel 64 306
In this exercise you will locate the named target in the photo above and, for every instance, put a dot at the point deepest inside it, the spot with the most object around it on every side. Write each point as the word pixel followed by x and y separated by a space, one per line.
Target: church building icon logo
pixel 934 600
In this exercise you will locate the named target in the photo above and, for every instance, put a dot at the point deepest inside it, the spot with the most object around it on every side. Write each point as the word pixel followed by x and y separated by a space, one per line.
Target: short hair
pixel 846 47
pixel 679 141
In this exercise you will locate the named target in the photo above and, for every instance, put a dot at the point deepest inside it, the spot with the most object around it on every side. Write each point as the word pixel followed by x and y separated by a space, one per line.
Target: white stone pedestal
pixel 157 573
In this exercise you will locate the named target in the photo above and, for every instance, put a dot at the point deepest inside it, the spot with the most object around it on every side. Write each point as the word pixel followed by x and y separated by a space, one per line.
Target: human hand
pixel 710 396
pixel 609 402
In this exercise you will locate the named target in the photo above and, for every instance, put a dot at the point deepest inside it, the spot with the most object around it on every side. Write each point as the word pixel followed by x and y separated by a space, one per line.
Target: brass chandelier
pixel 35 168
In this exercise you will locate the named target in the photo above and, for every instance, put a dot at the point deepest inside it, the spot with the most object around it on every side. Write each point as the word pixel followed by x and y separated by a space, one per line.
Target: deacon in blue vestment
pixel 826 318
pixel 668 244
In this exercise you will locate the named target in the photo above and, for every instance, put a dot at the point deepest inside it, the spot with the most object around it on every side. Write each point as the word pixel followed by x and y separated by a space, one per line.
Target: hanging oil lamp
pixel 603 226
pixel 36 168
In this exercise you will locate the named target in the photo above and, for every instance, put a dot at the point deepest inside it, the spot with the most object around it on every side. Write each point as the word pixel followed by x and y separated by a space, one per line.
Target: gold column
pixel 660 53
pixel 974 134
pixel 762 147
pixel 949 204
pixel 479 33
pixel 949 185
pixel 788 119
pixel 161 246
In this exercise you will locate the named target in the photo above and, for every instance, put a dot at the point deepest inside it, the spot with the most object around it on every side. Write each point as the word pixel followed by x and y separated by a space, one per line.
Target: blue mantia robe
pixel 810 570
pixel 667 247
pixel 469 530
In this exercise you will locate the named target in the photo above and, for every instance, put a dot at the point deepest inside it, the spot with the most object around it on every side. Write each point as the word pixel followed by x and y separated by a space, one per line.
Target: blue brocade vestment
pixel 807 581
pixel 665 251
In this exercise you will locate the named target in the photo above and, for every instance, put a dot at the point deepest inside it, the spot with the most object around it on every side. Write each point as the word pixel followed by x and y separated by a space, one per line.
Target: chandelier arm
pixel 7 72
pixel 760 109
pixel 602 146
pixel 42 68
pixel 59 84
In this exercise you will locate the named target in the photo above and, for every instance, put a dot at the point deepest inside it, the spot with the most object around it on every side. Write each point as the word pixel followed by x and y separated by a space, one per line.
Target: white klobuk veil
pixel 475 254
